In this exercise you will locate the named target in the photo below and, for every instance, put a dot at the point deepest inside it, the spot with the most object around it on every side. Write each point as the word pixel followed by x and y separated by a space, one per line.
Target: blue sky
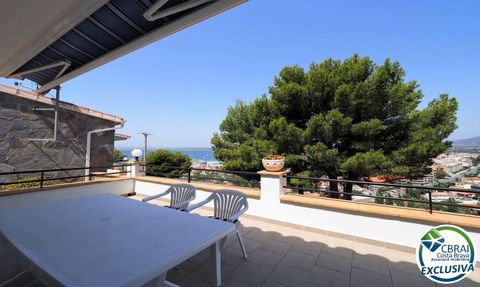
pixel 179 88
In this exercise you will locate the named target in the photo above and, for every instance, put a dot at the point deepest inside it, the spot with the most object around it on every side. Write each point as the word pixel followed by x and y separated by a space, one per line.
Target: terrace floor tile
pixel 279 247
pixel 310 248
pixel 323 277
pixel 334 262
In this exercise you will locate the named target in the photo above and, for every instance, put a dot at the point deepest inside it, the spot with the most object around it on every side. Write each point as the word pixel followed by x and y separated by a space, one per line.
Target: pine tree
pixel 348 118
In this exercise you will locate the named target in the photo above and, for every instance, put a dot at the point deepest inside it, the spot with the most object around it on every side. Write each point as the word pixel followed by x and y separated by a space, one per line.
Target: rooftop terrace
pixel 283 256
pixel 280 253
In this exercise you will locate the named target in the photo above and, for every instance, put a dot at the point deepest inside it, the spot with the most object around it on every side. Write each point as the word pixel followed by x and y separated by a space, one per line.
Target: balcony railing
pixel 37 178
pixel 234 177
pixel 416 196
pixel 424 201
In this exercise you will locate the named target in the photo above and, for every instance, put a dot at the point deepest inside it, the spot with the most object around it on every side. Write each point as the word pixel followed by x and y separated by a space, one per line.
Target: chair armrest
pixel 148 198
pixel 181 205
pixel 197 205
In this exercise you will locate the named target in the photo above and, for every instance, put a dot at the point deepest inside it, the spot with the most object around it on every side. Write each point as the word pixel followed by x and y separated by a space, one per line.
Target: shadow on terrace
pixel 283 256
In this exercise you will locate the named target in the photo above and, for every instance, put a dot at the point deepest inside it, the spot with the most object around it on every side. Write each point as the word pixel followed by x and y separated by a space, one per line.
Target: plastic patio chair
pixel 228 206
pixel 181 195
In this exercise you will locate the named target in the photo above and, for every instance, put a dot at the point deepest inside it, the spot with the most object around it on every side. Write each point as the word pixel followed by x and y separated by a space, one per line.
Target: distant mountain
pixel 471 142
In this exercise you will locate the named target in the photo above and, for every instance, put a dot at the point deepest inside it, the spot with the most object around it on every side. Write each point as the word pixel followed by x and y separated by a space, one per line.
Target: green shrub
pixel 383 191
pixel 302 183
pixel 22 184
pixel 451 208
pixel 441 174
pixel 415 193
pixel 160 163
pixel 118 155
pixel 223 178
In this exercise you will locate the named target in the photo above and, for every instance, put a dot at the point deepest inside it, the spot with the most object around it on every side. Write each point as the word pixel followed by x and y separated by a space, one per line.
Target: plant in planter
pixel 273 162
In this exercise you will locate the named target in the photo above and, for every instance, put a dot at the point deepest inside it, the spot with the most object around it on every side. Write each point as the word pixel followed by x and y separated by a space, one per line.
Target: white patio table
pixel 107 240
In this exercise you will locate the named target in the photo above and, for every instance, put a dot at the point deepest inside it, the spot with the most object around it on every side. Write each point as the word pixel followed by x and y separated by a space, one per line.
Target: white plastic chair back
pixel 181 195
pixel 228 203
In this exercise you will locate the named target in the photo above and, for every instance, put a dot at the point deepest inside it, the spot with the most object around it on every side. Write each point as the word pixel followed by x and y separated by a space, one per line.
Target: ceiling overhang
pixel 53 41
pixel 121 137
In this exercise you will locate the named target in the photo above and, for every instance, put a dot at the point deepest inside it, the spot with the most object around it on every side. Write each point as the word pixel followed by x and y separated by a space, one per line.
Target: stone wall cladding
pixel 19 122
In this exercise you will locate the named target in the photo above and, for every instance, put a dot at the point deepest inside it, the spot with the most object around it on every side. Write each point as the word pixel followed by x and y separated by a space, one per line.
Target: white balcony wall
pixel 403 233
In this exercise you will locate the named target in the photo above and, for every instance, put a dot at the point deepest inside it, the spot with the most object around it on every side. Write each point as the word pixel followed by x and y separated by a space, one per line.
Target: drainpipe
pixel 57 101
pixel 89 143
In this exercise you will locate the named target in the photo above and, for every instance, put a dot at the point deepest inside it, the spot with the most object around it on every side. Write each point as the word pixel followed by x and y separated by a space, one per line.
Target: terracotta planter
pixel 273 164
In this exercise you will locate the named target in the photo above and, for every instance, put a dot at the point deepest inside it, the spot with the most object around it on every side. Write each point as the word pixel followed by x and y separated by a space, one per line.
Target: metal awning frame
pixel 64 63
pixel 153 12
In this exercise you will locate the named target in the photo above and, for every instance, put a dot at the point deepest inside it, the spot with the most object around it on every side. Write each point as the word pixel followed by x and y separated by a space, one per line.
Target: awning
pixel 52 41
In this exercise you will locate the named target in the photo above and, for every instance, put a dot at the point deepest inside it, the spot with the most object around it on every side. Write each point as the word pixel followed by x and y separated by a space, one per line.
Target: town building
pixel 453 167
pixel 474 180
pixel 453 162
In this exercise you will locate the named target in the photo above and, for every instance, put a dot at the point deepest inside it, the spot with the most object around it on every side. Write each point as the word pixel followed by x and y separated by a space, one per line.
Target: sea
pixel 197 154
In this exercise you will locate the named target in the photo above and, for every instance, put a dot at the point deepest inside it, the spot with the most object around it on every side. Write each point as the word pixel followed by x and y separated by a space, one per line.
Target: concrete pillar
pixel 271 186
pixel 137 168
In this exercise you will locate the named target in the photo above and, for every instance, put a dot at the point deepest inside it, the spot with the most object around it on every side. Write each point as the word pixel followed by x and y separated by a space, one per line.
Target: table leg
pixel 218 262
pixel 160 281
pixel 170 284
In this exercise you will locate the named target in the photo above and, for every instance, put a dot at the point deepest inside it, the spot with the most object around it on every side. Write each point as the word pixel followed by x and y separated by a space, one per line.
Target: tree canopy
pixel 350 118
pixel 118 155
pixel 169 164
